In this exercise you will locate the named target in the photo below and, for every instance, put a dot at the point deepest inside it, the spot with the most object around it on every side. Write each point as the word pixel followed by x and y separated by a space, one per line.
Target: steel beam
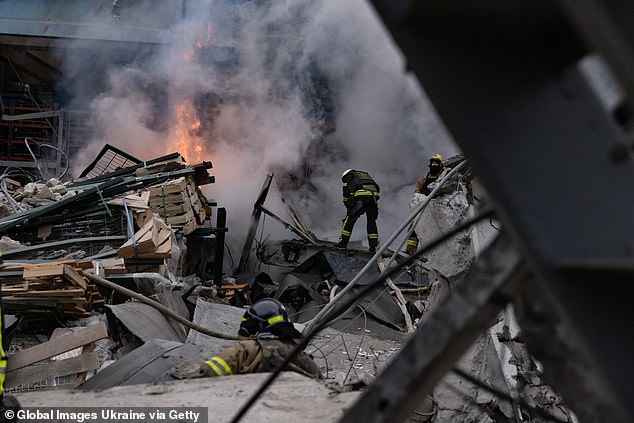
pixel 255 221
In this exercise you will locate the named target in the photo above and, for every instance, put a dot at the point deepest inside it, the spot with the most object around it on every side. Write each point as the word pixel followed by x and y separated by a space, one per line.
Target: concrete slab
pixel 291 398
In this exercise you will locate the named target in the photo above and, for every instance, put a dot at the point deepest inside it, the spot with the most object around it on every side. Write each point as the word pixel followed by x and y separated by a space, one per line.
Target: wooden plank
pixel 112 263
pixel 241 286
pixel 133 200
pixel 54 368
pixel 153 239
pixel 173 209
pixel 43 270
pixel 50 293
pixel 174 198
pixel 56 346
pixel 127 249
pixel 86 350
pixel 74 277
pixel 165 233
pixel 143 217
pixel 83 264
pixel 181 219
pixel 169 187
pixel 12 267
pixel 162 251
pixel 160 167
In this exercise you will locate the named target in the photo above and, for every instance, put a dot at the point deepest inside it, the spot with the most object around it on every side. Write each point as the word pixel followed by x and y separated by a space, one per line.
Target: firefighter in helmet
pixel 360 195
pixel 273 336
pixel 436 168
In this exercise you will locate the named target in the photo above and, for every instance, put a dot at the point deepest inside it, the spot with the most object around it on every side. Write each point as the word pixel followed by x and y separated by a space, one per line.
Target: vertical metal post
pixel 61 144
pixel 221 227
pixel 10 129
pixel 255 220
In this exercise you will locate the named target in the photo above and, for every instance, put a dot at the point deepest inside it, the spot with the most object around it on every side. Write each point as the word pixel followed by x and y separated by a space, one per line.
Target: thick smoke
pixel 300 89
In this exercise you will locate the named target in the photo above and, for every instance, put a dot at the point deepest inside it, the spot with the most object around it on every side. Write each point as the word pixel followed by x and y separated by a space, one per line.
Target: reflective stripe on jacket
pixel 260 355
pixel 359 183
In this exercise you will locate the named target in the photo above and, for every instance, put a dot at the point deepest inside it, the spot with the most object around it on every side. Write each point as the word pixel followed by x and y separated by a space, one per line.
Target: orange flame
pixel 183 138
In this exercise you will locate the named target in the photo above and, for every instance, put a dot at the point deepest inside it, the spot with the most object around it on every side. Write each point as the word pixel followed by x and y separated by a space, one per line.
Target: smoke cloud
pixel 300 89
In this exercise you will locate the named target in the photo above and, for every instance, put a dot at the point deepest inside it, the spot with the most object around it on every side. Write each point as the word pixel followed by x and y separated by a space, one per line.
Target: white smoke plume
pixel 301 89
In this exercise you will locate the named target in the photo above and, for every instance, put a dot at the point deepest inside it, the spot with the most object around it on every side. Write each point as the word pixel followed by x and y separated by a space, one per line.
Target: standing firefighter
pixel 436 168
pixel 9 405
pixel 360 195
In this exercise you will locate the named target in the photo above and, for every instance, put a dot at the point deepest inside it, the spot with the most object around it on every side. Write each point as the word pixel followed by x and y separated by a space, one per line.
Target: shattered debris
pixel 146 227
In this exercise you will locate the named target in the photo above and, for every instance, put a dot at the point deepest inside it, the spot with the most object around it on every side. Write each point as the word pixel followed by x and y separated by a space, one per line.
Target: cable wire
pixel 485 213
pixel 43 170
pixel 328 307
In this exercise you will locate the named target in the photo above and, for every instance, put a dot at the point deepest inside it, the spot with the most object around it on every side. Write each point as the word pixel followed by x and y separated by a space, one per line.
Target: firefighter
pixel 273 337
pixel 9 405
pixel 360 195
pixel 436 168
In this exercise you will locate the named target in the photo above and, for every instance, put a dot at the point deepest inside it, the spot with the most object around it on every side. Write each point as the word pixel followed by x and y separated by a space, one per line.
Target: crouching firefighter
pixel 273 338
pixel 9 405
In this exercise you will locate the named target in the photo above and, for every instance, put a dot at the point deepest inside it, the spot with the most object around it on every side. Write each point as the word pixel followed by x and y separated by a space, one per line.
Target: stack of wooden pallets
pixel 148 248
pixel 180 202
pixel 59 284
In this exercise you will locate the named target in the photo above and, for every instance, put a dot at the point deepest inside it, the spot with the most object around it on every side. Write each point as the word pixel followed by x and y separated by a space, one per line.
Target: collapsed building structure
pixel 535 246
pixel 78 298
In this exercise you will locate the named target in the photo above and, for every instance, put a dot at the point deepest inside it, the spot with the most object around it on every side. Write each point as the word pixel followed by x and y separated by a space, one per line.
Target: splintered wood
pixel 230 291
pixel 57 284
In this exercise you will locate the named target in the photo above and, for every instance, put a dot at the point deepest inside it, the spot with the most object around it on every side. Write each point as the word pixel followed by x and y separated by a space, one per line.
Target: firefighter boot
pixel 343 242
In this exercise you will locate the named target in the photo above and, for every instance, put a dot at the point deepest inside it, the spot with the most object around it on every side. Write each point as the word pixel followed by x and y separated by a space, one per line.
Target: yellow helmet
pixel 437 157
pixel 345 172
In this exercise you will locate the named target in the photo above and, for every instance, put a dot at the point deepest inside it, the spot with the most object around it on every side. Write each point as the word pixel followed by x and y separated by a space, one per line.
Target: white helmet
pixel 346 172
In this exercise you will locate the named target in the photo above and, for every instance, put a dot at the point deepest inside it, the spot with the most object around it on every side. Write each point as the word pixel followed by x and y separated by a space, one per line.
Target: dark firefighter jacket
pixel 359 183
pixel 422 186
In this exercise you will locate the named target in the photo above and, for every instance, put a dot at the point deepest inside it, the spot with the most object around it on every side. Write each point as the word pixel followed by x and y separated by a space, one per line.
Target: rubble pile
pixel 115 223
pixel 101 289
pixel 92 218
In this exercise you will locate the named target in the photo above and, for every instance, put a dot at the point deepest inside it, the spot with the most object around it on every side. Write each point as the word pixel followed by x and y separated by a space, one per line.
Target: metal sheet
pixel 341 269
pixel 151 362
pixel 144 321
